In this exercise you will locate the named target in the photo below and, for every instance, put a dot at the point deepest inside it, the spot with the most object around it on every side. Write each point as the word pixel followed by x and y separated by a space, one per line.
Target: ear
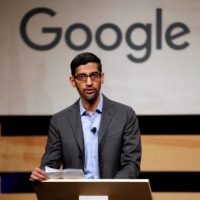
pixel 102 78
pixel 72 81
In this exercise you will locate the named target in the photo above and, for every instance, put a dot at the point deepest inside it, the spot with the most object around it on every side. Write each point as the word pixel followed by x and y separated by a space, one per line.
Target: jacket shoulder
pixel 67 110
pixel 117 105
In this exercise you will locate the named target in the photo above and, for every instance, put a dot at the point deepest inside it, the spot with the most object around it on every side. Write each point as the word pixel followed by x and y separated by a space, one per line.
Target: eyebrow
pixel 87 74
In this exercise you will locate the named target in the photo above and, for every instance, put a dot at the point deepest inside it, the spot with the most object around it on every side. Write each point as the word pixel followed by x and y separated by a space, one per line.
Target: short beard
pixel 91 98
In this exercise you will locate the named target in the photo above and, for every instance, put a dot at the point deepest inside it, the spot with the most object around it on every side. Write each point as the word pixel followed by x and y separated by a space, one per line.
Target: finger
pixel 37 176
pixel 39 170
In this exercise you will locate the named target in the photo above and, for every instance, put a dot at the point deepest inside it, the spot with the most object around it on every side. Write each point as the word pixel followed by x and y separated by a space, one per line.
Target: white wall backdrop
pixel 36 82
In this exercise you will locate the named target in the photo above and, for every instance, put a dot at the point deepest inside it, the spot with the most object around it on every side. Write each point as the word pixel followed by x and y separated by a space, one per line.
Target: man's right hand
pixel 38 175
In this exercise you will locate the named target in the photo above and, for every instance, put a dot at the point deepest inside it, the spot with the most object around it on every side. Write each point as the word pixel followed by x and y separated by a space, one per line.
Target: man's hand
pixel 38 175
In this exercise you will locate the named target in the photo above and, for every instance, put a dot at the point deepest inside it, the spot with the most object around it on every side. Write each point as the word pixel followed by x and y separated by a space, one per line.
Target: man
pixel 95 134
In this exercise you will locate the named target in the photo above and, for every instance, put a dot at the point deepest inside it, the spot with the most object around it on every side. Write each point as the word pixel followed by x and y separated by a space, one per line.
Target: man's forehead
pixel 86 68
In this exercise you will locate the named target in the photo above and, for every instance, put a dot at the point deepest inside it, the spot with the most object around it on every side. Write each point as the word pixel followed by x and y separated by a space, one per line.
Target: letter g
pixel 44 30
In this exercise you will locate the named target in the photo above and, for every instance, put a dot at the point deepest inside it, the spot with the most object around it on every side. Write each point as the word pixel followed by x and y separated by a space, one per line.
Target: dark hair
pixel 82 59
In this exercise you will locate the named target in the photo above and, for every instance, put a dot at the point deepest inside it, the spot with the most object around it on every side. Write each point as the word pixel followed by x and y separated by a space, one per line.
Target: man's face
pixel 89 89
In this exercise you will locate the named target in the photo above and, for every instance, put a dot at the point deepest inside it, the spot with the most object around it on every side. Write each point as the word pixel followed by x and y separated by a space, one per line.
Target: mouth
pixel 89 90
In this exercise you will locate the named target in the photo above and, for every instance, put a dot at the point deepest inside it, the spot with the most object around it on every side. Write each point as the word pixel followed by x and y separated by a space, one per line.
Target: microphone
pixel 94 130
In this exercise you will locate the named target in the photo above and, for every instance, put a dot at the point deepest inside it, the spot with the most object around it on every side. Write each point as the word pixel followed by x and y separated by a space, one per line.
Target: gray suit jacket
pixel 119 141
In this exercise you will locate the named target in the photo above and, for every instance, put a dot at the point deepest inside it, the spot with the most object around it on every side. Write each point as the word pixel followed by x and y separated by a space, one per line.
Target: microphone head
pixel 94 129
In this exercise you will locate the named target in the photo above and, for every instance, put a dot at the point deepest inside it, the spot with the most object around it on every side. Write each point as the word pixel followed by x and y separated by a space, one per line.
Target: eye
pixel 81 76
pixel 94 75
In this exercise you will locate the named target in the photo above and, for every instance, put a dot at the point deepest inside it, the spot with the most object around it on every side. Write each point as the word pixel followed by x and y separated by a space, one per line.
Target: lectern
pixel 86 189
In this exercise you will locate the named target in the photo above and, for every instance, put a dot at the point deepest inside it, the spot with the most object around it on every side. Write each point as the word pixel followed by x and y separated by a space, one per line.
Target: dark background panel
pixel 169 124
pixel 159 181
pixel 16 183
pixel 149 124
pixel 173 181
pixel 24 125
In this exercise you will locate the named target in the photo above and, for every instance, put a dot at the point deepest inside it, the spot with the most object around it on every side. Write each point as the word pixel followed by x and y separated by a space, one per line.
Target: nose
pixel 89 81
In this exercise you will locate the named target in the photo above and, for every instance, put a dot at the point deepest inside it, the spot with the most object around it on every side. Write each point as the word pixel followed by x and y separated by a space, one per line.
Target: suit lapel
pixel 75 122
pixel 107 114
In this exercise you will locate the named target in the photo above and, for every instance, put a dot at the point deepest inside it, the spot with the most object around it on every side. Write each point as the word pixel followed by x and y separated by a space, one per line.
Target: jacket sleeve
pixel 131 148
pixel 52 156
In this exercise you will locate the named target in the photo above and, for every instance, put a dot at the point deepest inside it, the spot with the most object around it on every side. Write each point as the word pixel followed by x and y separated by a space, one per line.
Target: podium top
pixel 98 180
pixel 115 189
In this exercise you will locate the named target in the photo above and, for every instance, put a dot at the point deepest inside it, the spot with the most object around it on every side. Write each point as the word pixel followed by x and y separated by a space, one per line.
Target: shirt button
pixel 94 157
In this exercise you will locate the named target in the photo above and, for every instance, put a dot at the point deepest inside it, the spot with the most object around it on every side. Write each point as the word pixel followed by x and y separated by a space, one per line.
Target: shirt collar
pixel 98 109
